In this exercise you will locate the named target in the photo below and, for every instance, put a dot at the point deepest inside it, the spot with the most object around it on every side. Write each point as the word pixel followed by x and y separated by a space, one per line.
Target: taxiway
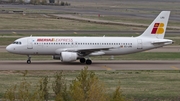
pixel 97 65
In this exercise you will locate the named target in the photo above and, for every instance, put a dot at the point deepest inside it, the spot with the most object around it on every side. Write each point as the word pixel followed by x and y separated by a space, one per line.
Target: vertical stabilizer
pixel 157 28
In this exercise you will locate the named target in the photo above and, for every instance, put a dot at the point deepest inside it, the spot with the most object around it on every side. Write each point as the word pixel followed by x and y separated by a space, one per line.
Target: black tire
pixel 82 60
pixel 28 61
pixel 88 62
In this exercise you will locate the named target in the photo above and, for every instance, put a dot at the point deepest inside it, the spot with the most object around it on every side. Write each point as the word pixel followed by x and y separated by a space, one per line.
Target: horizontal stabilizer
pixel 162 42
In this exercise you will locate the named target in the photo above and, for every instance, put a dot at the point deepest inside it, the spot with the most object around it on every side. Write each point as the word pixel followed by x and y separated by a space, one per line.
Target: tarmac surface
pixel 110 65
pixel 97 64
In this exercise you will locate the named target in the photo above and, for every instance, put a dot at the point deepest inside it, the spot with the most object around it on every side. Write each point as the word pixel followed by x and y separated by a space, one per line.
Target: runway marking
pixel 107 68
pixel 175 68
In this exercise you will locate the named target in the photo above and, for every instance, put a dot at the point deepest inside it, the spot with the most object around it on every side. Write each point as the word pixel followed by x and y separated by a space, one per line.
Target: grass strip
pixel 139 85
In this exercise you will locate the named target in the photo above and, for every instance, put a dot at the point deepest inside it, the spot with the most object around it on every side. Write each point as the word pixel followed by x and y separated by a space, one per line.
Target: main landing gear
pixel 83 60
pixel 29 60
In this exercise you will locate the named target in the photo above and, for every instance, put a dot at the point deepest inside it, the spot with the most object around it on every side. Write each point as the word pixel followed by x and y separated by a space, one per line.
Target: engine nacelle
pixel 68 56
pixel 56 57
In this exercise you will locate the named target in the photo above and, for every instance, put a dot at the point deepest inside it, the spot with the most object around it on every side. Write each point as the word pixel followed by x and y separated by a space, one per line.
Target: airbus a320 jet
pixel 68 49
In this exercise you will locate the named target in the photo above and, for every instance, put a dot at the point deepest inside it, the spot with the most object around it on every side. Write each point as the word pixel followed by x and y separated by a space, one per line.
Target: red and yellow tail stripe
pixel 158 28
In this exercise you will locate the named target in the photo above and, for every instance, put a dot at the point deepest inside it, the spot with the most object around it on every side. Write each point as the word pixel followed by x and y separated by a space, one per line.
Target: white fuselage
pixel 55 45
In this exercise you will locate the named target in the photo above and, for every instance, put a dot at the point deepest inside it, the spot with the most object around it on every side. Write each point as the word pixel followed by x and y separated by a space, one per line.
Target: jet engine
pixel 68 56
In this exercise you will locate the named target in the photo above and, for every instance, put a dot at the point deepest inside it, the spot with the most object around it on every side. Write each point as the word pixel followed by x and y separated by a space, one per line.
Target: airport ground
pixel 143 79
pixel 165 58
pixel 109 65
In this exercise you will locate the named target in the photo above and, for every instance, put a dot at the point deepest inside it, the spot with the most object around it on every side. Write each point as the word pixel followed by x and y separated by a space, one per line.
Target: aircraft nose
pixel 9 48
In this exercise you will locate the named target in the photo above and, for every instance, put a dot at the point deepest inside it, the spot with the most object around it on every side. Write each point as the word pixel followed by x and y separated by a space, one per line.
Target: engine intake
pixel 68 56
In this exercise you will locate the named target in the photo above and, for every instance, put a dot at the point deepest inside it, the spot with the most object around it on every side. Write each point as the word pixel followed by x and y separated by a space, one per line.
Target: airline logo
pixel 158 28
pixel 55 40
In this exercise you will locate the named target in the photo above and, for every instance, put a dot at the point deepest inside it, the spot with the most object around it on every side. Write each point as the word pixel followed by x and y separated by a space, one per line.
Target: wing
pixel 86 51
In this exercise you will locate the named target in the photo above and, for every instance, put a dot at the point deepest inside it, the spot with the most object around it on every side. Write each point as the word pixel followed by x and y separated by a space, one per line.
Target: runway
pixel 110 65
pixel 97 64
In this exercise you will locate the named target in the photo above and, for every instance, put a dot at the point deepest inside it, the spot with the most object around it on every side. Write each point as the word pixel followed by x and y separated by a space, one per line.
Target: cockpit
pixel 17 42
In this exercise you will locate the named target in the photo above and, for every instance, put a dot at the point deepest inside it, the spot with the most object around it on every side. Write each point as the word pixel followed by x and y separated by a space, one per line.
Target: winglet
pixel 157 28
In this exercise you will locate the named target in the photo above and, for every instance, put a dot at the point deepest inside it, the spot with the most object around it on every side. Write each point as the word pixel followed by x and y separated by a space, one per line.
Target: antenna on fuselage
pixel 104 35
pixel 30 35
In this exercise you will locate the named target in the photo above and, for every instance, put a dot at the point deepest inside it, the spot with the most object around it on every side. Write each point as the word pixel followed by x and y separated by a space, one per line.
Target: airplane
pixel 69 49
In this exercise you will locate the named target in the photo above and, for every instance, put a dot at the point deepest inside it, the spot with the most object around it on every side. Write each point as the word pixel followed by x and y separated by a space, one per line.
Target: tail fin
pixel 157 28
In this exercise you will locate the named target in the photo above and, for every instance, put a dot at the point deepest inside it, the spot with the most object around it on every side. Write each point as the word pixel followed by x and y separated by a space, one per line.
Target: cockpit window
pixel 16 42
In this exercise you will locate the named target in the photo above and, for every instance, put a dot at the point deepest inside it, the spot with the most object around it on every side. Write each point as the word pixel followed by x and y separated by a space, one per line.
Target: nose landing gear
pixel 29 60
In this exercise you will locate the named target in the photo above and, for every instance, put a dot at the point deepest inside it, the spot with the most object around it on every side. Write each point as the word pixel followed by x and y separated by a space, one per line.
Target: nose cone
pixel 9 48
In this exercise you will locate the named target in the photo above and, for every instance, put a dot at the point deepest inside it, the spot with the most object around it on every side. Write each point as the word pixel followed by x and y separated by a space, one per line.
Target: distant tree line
pixel 85 87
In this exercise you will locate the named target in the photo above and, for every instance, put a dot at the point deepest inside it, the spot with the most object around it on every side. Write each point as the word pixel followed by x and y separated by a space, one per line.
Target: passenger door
pixel 29 43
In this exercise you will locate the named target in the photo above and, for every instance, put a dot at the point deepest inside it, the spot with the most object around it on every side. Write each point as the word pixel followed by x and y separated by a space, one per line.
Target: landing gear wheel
pixel 28 61
pixel 88 62
pixel 82 60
